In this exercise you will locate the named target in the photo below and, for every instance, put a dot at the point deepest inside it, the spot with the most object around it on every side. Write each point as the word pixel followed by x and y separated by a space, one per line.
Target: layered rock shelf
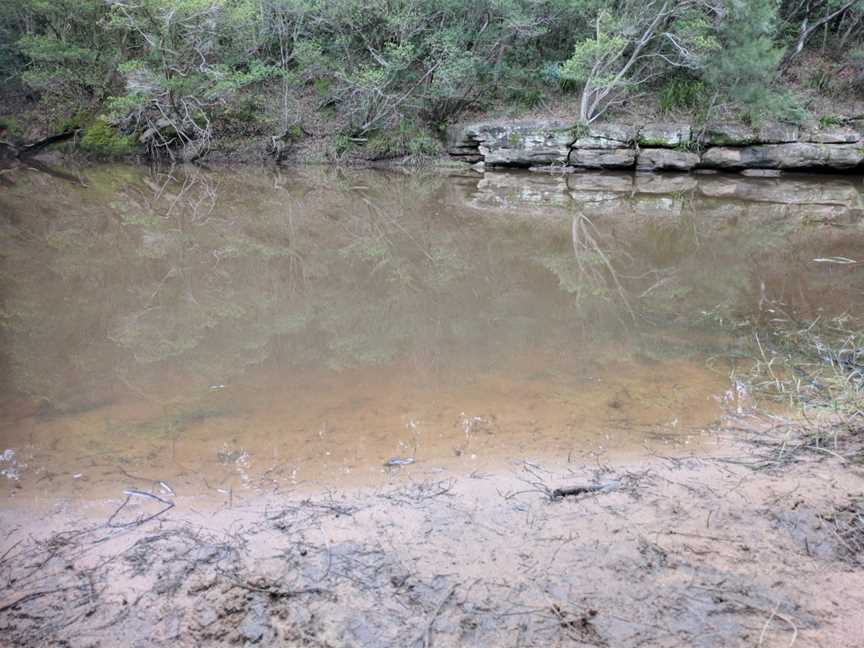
pixel 561 146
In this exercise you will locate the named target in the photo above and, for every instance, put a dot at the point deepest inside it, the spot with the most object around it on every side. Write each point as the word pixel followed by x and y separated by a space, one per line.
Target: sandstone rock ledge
pixel 662 146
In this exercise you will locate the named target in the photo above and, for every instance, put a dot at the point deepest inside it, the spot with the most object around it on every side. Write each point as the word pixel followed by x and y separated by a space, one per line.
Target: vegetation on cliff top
pixel 175 74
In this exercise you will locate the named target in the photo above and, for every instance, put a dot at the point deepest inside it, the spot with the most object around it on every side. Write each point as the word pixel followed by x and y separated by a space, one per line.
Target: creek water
pixel 248 329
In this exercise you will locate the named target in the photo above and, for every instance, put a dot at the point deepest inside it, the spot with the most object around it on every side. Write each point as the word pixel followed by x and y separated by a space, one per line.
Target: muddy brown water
pixel 245 329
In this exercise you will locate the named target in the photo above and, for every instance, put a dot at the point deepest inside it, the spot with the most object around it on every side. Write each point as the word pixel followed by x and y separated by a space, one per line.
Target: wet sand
pixel 700 551
pixel 275 431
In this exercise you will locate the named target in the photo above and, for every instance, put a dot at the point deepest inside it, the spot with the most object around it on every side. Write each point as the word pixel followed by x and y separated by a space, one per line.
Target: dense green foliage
pixel 100 138
pixel 172 73
pixel 748 57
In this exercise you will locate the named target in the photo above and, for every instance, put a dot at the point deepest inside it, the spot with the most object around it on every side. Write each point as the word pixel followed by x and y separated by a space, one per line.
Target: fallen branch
pixel 276 592
pixel 34 147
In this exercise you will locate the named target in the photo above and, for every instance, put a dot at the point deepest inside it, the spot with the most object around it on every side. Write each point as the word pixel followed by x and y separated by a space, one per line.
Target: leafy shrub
pixel 243 116
pixel 339 147
pixel 526 96
pixel 322 86
pixel 119 106
pixel 10 127
pixel 293 133
pixel 819 79
pixel 101 139
pixel 551 75
pixel 78 120
pixel 682 94
pixel 404 139
pixel 745 68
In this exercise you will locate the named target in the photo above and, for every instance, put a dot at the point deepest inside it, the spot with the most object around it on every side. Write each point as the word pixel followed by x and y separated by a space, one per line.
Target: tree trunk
pixel 583 104
pixel 805 31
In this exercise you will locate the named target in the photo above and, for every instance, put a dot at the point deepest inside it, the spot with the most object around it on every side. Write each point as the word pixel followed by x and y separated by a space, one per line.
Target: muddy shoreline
pixel 748 547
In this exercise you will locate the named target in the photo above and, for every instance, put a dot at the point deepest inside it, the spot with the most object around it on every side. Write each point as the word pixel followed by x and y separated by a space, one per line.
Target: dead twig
pixel 31 596
pixel 130 493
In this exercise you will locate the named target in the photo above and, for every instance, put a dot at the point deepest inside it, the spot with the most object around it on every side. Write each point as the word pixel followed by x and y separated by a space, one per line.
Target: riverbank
pixel 761 544
pixel 555 145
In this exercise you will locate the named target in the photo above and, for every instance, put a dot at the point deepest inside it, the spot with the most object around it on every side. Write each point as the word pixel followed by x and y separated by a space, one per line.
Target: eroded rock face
pixel 833 135
pixel 664 135
pixel 727 134
pixel 662 146
pixel 661 159
pixel 621 158
pixel 778 133
pixel 516 143
pixel 606 136
pixel 599 143
pixel 800 155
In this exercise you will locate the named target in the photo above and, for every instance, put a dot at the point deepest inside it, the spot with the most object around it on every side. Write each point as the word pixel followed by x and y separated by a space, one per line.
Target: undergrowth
pixel 100 139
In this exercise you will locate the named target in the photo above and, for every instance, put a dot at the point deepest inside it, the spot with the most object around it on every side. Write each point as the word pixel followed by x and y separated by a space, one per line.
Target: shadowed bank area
pixel 334 408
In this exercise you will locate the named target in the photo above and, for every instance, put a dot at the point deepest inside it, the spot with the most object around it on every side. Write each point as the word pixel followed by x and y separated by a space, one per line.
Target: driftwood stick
pixel 583 489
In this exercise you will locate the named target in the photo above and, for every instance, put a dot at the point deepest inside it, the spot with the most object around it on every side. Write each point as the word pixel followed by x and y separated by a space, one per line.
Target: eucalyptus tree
pixel 632 43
